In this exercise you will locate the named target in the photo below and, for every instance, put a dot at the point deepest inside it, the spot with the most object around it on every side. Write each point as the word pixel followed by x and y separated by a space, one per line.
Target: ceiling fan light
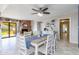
pixel 39 14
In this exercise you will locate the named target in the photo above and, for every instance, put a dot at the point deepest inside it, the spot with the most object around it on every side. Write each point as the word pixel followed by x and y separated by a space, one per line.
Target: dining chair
pixel 54 43
pixel 22 46
pixel 49 47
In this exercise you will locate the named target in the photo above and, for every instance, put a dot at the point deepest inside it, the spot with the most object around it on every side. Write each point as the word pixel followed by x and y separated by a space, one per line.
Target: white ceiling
pixel 23 11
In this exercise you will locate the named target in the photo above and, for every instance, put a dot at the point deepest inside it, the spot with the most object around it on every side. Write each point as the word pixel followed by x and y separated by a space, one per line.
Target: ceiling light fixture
pixel 40 14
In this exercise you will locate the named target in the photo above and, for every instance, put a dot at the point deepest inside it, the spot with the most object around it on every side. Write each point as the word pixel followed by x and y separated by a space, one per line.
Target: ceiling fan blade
pixel 44 9
pixel 34 9
pixel 34 13
pixel 46 12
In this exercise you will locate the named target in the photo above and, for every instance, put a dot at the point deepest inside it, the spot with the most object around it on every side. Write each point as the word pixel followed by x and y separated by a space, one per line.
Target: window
pixel 8 29
pixel 5 29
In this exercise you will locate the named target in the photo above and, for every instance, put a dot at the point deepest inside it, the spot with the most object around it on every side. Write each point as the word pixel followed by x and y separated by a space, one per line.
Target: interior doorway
pixel 64 29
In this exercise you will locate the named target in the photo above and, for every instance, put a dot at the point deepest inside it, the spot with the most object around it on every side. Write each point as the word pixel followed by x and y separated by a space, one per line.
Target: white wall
pixel 43 25
pixel 34 26
pixel 74 29
pixel 73 26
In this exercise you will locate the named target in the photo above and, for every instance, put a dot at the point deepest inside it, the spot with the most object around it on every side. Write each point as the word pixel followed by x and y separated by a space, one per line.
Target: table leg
pixel 36 50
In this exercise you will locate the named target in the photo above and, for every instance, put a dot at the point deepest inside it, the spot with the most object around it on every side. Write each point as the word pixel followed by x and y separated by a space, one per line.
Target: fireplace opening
pixel 24 30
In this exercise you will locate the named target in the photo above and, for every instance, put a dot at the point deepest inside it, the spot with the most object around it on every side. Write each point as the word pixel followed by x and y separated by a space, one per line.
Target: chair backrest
pixel 21 44
pixel 54 43
pixel 50 43
pixel 27 33
pixel 50 38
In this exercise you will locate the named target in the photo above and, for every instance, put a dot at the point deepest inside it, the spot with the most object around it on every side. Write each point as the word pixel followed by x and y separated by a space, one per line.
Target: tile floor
pixel 64 48
pixel 7 47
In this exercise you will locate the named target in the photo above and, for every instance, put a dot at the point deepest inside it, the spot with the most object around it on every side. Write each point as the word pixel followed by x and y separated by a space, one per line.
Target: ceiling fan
pixel 41 11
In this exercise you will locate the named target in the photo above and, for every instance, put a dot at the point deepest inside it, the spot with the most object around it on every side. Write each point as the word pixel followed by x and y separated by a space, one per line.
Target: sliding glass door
pixel 5 29
pixel 8 29
pixel 12 29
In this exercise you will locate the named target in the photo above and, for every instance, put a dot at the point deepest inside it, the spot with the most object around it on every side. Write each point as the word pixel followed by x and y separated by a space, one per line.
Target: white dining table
pixel 37 43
